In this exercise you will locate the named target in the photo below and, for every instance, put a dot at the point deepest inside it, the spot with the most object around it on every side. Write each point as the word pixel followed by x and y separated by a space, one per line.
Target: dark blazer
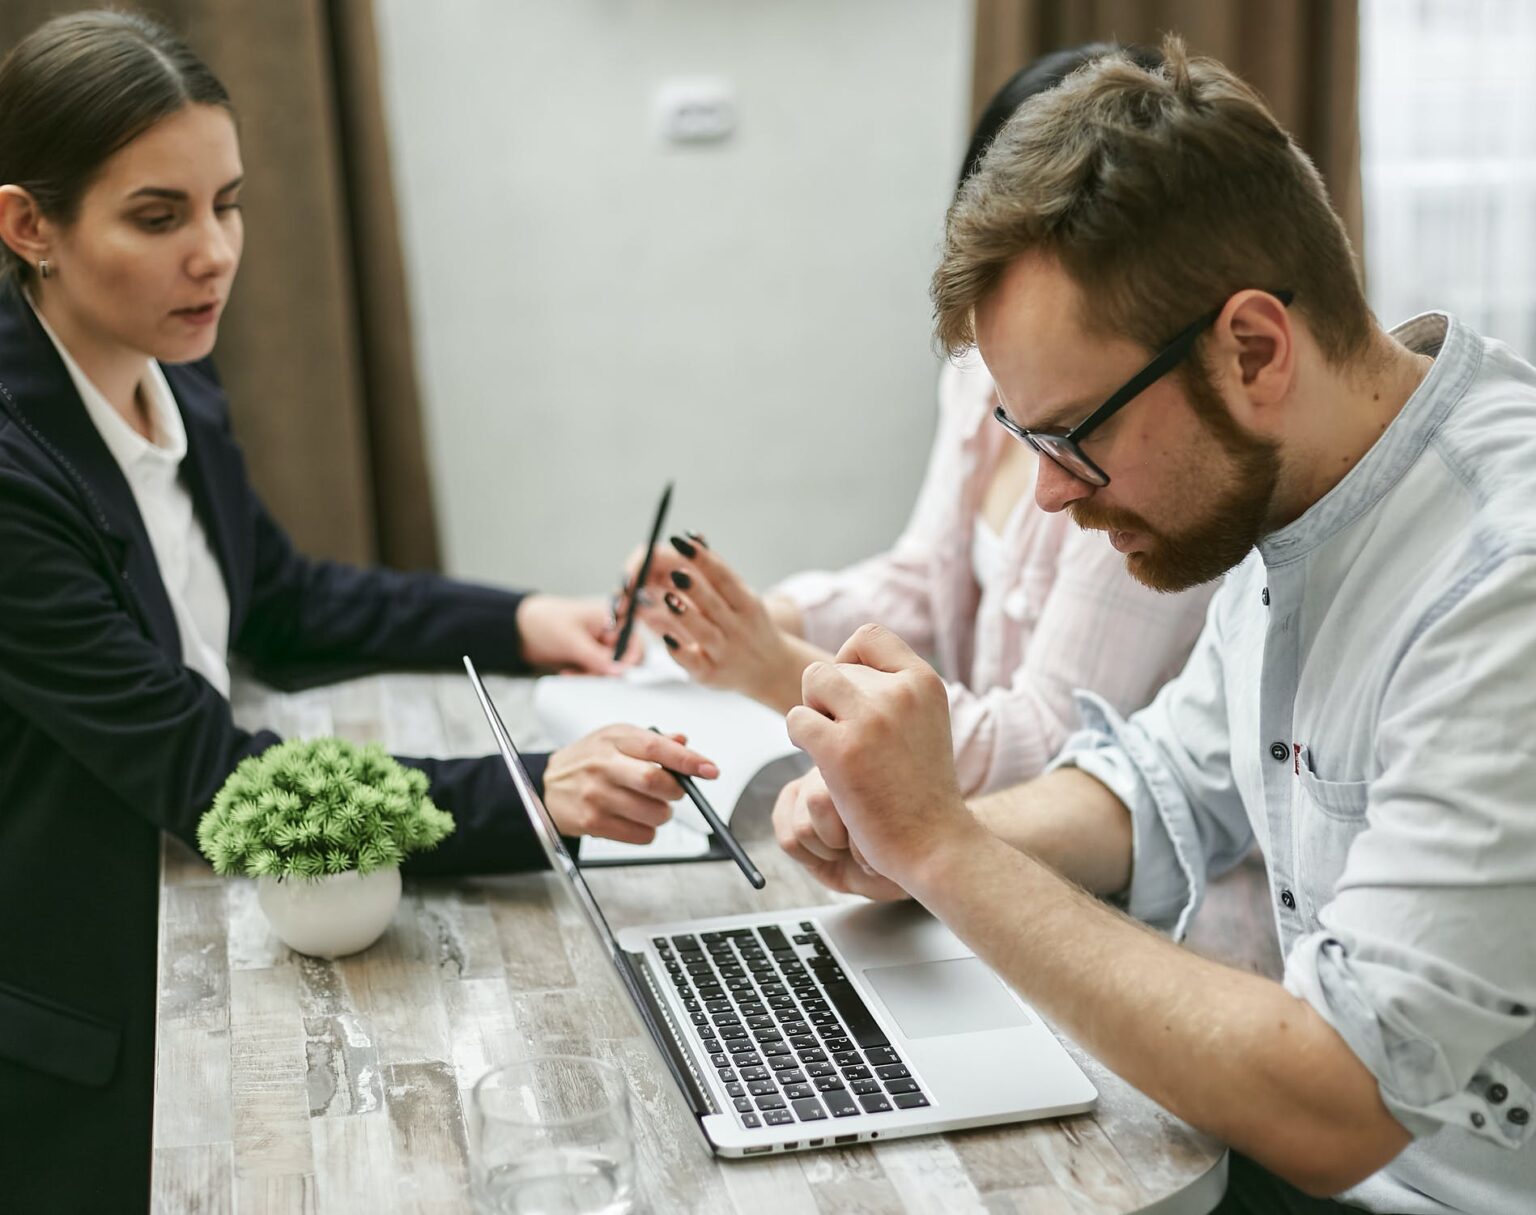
pixel 107 739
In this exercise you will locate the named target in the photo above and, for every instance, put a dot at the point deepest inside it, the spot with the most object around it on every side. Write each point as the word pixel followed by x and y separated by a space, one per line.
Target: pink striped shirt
pixel 1063 615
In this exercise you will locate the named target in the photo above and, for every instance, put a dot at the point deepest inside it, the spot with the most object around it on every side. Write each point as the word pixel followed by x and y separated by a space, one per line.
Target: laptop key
pixel 841 1103
pixel 828 1084
pixel 762 1088
pixel 777 1048
pixel 766 1035
pixel 760 1022
pixel 753 1073
pixel 822 1069
pixel 775 1102
pixel 751 1121
pixel 882 1054
pixel 862 1026
pixel 796 1091
pixel 864 1088
pixel 809 1110
pixel 777 1117
pixel 743 1105
pixel 736 1089
pixel 847 1058
pixel 719 1060
pixel 773 937
pixel 733 1031
pixel 784 1063
pixel 686 942
pixel 901 1086
pixel 875 1103
pixel 892 1071
pixel 910 1101
pixel 815 1005
pixel 811 1055
pixel 856 1073
pixel 742 1045
pixel 839 1044
pixel 781 1002
pixel 800 1041
pixel 788 1078
pixel 727 1074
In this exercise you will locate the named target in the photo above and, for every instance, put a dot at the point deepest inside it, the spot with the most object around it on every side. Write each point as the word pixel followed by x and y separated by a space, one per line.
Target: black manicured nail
pixel 681 580
pixel 684 547
pixel 674 604
pixel 670 640
pixel 698 539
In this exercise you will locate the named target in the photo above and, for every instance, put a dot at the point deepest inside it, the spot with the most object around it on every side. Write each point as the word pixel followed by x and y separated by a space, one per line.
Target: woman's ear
pixel 22 226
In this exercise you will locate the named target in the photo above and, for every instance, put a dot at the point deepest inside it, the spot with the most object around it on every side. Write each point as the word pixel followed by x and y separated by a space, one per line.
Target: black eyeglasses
pixel 1061 447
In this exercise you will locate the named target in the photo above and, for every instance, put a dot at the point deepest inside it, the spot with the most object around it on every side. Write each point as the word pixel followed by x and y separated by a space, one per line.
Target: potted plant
pixel 322 825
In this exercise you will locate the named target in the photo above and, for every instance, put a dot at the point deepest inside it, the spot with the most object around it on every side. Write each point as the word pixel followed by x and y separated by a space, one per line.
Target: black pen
pixel 717 825
pixel 642 574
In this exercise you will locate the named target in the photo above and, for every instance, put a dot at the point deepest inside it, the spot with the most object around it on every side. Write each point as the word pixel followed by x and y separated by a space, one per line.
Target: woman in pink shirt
pixel 1017 608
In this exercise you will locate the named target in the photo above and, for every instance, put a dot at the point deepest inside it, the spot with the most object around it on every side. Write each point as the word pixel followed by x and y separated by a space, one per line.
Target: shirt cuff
pixel 1368 1004
pixel 1167 869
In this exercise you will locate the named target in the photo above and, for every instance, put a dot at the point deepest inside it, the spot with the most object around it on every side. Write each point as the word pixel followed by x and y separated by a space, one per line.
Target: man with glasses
pixel 1361 702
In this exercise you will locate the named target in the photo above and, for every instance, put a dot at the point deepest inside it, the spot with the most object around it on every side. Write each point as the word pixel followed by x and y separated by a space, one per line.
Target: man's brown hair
pixel 1161 192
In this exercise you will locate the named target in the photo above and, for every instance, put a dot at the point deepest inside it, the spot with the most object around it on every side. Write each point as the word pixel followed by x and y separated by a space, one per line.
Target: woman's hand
pixel 570 635
pixel 718 630
pixel 611 783
pixel 808 828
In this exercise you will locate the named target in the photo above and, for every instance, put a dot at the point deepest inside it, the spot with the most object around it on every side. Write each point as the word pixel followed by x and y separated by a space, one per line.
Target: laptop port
pixel 814 1142
pixel 845 1139
pixel 791 1145
pixel 756 1151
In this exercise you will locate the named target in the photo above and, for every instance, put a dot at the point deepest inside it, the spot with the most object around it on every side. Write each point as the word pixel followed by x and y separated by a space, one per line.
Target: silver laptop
pixel 798 1029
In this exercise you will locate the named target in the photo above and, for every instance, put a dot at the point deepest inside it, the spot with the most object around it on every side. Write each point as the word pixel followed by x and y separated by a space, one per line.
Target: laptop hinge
pixel 669 1041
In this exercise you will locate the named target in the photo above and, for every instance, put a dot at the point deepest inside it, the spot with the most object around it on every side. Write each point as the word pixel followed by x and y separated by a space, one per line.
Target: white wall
pixel 597 311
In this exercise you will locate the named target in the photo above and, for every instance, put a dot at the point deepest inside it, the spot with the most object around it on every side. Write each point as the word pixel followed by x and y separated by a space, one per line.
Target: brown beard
pixel 1239 473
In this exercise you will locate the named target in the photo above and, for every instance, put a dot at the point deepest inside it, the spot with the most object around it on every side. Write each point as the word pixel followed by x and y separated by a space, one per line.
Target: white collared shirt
pixel 1361 703
pixel 194 584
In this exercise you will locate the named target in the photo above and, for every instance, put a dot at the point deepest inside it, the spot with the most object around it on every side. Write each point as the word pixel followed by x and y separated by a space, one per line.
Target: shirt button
pixel 1279 752
pixel 1264 596
pixel 1519 1115
pixel 1478 1119
pixel 1496 1094
pixel 1288 899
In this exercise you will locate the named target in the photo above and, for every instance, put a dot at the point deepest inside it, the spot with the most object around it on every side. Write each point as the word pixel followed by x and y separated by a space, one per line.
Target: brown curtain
pixel 315 350
pixel 1302 55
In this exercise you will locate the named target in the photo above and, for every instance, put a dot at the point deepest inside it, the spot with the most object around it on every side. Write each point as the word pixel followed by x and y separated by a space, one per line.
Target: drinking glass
pixel 554 1138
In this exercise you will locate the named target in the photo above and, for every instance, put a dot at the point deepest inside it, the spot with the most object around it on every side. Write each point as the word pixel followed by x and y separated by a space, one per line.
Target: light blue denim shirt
pixel 1362 702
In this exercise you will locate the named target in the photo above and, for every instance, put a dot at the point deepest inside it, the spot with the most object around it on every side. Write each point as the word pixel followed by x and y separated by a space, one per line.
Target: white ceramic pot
pixel 333 916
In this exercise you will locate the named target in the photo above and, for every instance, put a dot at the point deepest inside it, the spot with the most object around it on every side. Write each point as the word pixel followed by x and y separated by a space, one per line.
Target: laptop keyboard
pixel 791 1039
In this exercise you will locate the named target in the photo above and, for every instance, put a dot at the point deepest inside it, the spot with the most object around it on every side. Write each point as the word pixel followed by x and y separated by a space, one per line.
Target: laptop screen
pixel 560 859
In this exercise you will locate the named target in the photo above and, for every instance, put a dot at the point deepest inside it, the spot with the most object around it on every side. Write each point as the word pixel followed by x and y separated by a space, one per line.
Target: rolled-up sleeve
pixel 1169 764
pixel 1425 959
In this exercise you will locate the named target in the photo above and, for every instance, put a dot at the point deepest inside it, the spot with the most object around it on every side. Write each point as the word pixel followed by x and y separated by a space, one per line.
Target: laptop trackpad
pixel 960 996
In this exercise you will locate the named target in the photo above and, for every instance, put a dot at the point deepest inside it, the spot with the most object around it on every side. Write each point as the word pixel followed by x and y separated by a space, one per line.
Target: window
pixel 1448 162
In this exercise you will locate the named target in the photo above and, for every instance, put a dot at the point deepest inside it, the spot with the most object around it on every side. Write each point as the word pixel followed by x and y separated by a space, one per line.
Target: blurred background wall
pixel 598 310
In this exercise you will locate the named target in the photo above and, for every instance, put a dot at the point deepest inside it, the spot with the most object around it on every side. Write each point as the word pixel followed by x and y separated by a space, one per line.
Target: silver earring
pixel 44 269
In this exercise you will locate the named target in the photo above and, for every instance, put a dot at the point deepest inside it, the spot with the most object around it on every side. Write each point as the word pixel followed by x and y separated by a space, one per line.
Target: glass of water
pixel 554 1138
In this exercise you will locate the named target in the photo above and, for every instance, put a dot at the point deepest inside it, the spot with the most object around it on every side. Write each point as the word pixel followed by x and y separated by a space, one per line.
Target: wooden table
pixel 287 1084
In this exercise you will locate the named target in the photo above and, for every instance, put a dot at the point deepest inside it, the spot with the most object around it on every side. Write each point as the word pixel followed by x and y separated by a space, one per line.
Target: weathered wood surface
pixel 287 1084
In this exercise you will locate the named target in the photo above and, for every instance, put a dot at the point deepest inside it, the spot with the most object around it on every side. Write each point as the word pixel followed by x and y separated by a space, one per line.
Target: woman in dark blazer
pixel 120 236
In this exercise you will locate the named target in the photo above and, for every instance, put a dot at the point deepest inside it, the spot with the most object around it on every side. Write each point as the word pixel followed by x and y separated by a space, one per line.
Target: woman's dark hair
pixel 78 88
pixel 1035 77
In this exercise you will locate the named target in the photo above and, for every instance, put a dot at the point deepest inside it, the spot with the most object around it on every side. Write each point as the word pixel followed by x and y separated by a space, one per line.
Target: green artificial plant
pixel 313 807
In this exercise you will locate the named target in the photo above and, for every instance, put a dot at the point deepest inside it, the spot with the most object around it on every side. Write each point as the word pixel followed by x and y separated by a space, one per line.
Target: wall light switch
pixel 695 110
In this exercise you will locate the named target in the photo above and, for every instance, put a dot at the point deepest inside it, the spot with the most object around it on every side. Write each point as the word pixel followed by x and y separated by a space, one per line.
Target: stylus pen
pixel 642 573
pixel 717 825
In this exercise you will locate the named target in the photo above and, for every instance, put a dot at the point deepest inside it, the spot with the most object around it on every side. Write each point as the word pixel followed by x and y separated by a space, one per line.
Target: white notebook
pixel 740 735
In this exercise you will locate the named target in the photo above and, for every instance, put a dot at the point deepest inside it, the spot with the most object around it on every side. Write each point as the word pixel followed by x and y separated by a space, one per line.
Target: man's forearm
pixel 1232 1053
pixel 1069 821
